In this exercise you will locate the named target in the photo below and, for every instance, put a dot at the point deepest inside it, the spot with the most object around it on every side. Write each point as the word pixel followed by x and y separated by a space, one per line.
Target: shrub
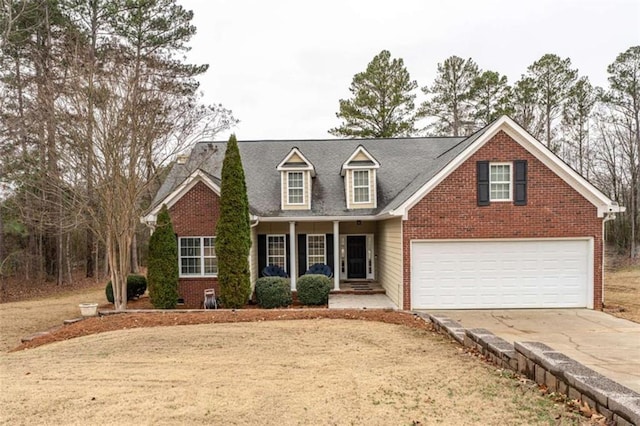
pixel 109 292
pixel 233 233
pixel 136 286
pixel 313 289
pixel 273 292
pixel 163 263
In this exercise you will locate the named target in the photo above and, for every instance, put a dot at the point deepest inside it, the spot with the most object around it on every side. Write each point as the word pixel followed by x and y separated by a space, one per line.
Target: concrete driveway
pixel 604 343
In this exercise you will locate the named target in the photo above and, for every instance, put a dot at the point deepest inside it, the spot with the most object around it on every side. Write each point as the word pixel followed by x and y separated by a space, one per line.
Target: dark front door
pixel 357 256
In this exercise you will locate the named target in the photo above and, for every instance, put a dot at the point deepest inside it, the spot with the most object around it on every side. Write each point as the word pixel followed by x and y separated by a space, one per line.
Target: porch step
pixel 352 291
pixel 361 287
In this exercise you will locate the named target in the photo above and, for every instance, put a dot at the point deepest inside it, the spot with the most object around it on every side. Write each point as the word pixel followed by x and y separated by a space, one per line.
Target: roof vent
pixel 182 159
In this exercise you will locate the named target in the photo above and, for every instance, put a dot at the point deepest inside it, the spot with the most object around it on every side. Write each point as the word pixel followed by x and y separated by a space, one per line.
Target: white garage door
pixel 501 274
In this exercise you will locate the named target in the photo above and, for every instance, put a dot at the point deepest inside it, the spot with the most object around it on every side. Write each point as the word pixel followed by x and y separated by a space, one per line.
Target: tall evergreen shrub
pixel 233 233
pixel 162 275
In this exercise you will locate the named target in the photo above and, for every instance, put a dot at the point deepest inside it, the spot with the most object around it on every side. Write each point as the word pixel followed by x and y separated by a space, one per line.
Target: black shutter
pixel 483 182
pixel 287 261
pixel 262 253
pixel 302 254
pixel 329 242
pixel 520 191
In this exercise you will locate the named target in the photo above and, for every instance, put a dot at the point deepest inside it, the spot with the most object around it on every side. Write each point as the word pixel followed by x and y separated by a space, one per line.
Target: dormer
pixel 295 181
pixel 360 183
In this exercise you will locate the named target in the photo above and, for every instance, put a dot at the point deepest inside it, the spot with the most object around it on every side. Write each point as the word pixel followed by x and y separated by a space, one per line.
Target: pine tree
pixel 450 103
pixel 576 117
pixel 233 234
pixel 491 95
pixel 382 104
pixel 553 77
pixel 162 275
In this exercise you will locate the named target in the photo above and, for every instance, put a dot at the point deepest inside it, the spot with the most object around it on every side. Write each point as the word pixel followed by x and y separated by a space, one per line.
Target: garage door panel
pixel 500 274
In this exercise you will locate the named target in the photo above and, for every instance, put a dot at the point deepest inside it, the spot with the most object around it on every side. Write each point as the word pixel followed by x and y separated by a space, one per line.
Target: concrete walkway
pixel 360 301
pixel 604 343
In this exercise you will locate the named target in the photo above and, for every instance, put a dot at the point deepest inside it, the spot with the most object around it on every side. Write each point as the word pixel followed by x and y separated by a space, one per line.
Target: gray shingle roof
pixel 406 164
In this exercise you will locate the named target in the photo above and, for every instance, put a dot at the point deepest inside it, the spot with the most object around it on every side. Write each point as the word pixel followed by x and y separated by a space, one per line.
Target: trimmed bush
pixel 313 289
pixel 136 286
pixel 273 292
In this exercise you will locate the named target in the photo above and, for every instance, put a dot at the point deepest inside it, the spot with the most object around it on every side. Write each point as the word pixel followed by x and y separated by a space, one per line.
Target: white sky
pixel 282 65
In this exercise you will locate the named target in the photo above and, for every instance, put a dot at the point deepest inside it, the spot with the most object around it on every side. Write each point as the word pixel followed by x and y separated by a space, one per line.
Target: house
pixel 493 220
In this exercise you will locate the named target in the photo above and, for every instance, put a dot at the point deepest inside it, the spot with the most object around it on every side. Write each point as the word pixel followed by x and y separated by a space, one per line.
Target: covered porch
pixel 356 250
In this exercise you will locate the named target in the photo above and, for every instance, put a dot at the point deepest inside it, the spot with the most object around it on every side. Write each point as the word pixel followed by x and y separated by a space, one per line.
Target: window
pixel 198 256
pixel 500 182
pixel 361 186
pixel 276 251
pixel 295 187
pixel 315 249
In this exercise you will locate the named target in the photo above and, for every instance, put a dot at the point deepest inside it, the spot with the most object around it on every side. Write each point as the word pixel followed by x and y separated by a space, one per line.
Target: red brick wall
pixel 553 209
pixel 192 291
pixel 196 215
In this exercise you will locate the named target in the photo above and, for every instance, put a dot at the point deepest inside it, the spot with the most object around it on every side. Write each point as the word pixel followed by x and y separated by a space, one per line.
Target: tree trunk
pixel 69 259
pixel 1 238
pixel 135 268
pixel 90 237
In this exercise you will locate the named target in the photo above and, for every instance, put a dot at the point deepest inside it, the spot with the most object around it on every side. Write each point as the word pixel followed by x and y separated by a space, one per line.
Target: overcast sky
pixel 282 66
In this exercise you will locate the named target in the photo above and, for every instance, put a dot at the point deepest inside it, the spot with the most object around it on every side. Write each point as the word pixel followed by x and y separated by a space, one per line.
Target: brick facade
pixel 553 209
pixel 196 215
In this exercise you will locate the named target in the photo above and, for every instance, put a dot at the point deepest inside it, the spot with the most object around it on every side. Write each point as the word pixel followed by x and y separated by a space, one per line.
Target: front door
pixel 356 256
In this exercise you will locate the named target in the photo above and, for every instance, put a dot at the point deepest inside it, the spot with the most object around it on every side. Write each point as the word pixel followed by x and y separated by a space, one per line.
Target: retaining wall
pixel 548 367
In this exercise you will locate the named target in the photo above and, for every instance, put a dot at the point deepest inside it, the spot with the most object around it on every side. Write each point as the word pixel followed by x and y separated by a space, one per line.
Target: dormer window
pixel 361 187
pixel 359 173
pixel 295 187
pixel 295 180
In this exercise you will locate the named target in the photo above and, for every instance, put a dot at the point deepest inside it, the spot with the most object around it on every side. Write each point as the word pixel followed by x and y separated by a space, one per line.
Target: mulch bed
pixel 126 320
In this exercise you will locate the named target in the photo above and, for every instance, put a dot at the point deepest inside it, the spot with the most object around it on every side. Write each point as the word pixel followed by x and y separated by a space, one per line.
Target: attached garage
pixel 501 274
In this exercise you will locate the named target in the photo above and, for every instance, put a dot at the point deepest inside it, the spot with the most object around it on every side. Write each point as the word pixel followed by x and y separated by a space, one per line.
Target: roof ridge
pixel 408 138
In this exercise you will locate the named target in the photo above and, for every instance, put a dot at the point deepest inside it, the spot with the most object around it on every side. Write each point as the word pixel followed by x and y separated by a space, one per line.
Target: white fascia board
pixel 553 162
pixel 613 208
pixel 532 145
pixel 178 193
pixel 295 151
pixel 363 150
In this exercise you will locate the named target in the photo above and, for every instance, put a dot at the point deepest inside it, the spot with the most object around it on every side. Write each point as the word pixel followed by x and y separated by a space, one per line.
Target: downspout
pixel 607 218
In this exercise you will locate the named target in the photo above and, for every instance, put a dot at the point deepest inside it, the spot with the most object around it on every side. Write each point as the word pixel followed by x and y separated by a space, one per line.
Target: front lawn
pixel 317 371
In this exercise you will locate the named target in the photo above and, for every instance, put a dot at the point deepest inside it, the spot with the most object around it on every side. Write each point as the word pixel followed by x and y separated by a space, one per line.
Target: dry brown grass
pixel 280 372
pixel 20 319
pixel 622 292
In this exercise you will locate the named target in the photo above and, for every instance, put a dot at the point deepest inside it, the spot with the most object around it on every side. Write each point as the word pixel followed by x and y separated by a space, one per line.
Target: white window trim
pixel 284 241
pixel 202 257
pixel 510 182
pixel 324 239
pixel 353 186
pixel 289 189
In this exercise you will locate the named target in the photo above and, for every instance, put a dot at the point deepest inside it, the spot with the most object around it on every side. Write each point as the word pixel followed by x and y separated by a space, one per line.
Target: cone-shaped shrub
pixel 162 275
pixel 233 233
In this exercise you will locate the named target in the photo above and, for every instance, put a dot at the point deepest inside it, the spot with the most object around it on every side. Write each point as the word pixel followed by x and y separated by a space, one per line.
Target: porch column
pixel 292 255
pixel 336 255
